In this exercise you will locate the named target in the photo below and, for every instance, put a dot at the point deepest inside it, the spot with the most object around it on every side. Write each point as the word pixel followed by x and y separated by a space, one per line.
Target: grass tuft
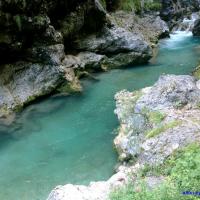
pixel 156 131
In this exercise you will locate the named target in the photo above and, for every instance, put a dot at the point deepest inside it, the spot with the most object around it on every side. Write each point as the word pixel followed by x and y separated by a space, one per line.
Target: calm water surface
pixel 69 139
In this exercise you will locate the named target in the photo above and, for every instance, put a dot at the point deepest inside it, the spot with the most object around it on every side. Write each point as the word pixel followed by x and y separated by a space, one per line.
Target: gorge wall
pixel 46 45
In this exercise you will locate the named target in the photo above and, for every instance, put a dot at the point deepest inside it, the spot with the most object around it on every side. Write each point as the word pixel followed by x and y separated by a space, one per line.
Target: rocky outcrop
pixel 113 40
pixel 120 46
pixel 66 37
pixel 154 123
pixel 158 120
pixel 27 24
pixel 150 27
pixel 96 190
pixel 174 11
pixel 23 82
pixel 126 40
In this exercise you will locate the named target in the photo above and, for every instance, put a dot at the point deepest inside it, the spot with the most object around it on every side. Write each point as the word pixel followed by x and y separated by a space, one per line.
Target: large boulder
pixel 121 47
pixel 112 41
pixel 23 82
pixel 85 60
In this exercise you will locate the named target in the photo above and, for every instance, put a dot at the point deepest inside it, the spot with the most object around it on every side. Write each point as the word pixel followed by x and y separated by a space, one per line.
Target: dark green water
pixel 69 139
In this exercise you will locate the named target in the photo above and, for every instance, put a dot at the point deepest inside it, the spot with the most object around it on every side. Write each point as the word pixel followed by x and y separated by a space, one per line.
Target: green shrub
pixel 130 5
pixel 154 6
pixel 183 174
pixel 186 169
pixel 103 3
pixel 137 5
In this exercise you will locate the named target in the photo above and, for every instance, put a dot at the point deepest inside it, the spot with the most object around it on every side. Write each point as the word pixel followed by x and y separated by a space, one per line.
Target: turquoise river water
pixel 70 139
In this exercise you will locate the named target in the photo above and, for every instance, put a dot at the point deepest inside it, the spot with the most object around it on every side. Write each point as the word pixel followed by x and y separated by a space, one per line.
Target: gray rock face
pixel 149 27
pixel 196 29
pixel 85 60
pixel 114 40
pixel 124 59
pixel 52 54
pixel 157 149
pixel 170 92
pixel 121 47
pixel 22 82
pixel 157 120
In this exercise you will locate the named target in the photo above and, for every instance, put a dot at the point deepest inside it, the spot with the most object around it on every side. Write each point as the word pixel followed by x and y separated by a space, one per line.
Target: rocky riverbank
pixel 155 122
pixel 46 46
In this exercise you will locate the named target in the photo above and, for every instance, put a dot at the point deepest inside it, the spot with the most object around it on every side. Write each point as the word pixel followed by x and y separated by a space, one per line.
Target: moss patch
pixel 196 73
pixel 155 117
pixel 156 131
pixel 70 87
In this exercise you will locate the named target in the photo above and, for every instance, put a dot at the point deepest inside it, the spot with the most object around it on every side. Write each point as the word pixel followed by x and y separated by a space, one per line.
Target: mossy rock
pixel 71 87
pixel 196 72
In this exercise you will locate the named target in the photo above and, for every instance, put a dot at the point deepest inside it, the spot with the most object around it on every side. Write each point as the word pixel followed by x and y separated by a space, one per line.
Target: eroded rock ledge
pixel 154 123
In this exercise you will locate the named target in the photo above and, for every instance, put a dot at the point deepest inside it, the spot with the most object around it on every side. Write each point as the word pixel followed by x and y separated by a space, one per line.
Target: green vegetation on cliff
pixel 138 6
pixel 180 174
pixel 160 129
